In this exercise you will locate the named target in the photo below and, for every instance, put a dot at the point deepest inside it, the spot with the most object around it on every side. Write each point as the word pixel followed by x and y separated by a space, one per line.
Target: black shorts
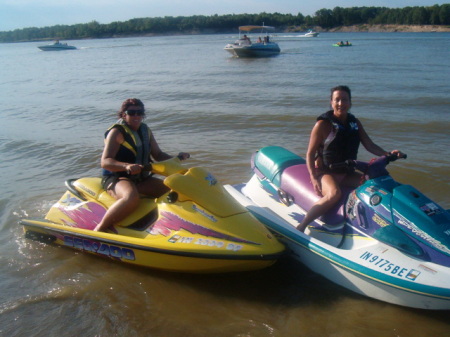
pixel 108 182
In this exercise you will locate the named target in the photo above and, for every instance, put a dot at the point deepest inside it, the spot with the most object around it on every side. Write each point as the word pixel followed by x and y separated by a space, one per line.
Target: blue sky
pixel 40 13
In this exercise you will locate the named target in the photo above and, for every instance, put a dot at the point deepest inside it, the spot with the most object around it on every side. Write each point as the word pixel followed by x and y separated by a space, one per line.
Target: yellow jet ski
pixel 195 227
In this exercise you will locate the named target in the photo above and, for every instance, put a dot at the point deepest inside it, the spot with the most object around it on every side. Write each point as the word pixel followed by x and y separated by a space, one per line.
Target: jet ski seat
pixel 289 173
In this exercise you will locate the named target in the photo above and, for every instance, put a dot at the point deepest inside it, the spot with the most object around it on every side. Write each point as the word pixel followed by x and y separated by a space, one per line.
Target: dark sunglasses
pixel 135 112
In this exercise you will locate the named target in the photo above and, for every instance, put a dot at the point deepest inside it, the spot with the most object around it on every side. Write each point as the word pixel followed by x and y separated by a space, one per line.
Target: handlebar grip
pixel 182 157
pixel 394 157
pixel 147 167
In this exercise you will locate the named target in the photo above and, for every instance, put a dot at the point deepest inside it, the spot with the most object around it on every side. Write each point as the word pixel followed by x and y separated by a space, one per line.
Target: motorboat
pixel 196 227
pixel 342 44
pixel 384 240
pixel 56 46
pixel 311 33
pixel 262 47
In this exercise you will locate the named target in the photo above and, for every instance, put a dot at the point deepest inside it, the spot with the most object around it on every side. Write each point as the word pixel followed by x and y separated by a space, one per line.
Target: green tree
pixel 444 14
pixel 419 16
pixel 434 15
pixel 324 18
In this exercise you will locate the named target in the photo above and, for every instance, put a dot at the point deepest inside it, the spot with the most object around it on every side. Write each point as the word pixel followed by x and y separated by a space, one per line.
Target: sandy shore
pixel 391 28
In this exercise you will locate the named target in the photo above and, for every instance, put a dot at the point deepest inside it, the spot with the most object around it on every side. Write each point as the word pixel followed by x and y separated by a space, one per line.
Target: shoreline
pixel 362 28
pixel 388 29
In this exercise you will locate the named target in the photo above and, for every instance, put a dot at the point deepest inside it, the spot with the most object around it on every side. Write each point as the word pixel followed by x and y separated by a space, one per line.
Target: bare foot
pixel 301 228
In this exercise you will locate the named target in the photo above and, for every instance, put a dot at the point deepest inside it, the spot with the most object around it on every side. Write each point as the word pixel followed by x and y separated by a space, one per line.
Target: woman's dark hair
pixel 130 102
pixel 341 88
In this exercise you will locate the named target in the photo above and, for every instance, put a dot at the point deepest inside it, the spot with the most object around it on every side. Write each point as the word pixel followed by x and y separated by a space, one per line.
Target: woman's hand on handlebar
pixel 396 154
pixel 183 155
pixel 133 169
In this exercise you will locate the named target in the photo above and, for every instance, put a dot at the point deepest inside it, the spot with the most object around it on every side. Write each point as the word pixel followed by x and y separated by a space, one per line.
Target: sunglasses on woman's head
pixel 135 112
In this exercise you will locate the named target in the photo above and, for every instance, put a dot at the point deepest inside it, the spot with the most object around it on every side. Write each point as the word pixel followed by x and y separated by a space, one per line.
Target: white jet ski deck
pixel 384 240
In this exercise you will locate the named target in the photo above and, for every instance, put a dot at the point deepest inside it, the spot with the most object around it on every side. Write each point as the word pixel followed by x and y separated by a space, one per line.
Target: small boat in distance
pixel 263 47
pixel 56 46
pixel 311 33
pixel 342 44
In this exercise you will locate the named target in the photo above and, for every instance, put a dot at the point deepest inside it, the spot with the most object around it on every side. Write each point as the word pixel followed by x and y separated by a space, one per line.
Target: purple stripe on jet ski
pixel 170 221
pixel 85 217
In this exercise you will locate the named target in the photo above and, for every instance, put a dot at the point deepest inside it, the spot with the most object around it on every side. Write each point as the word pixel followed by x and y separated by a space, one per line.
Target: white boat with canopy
pixel 262 47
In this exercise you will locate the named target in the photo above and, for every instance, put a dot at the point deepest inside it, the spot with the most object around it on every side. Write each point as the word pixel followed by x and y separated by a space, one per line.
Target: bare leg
pixel 127 196
pixel 331 195
pixel 153 187
pixel 352 180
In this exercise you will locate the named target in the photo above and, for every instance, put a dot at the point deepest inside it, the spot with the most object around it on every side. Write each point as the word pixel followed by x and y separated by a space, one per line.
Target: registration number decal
pixel 205 242
pixel 388 266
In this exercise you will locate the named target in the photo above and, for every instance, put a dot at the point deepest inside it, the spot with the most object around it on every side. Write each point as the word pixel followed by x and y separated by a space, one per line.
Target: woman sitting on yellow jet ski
pixel 129 146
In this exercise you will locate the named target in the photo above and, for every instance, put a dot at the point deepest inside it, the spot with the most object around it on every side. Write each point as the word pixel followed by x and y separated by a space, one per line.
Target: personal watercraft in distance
pixel 195 227
pixel 56 46
pixel 384 239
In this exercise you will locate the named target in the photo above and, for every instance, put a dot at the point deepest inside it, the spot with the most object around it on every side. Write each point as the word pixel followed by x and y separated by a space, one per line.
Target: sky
pixel 17 14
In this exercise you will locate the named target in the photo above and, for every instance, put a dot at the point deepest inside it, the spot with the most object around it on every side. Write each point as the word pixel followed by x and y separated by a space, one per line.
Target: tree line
pixel 325 18
pixel 434 15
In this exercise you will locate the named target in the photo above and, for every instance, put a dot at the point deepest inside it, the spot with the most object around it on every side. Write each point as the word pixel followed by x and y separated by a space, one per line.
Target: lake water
pixel 56 106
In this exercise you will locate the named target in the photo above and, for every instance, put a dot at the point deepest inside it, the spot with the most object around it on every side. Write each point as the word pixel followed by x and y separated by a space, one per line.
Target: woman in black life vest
pixel 335 138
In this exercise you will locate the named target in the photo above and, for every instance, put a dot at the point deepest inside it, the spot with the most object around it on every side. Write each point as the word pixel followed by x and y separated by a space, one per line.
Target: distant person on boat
pixel 129 146
pixel 246 39
pixel 335 138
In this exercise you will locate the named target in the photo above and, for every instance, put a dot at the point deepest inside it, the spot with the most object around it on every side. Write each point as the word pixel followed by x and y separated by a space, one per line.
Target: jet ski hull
pixel 344 252
pixel 196 227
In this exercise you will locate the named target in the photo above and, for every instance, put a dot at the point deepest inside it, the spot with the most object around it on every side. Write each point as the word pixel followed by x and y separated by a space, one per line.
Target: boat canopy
pixel 249 28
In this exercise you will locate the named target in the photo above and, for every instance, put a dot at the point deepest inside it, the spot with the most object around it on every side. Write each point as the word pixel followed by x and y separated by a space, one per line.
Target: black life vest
pixel 343 141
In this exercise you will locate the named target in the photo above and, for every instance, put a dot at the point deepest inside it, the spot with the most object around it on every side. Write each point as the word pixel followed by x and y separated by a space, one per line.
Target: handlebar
pixel 393 156
pixel 147 167
pixel 181 156
pixel 151 167
pixel 376 167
